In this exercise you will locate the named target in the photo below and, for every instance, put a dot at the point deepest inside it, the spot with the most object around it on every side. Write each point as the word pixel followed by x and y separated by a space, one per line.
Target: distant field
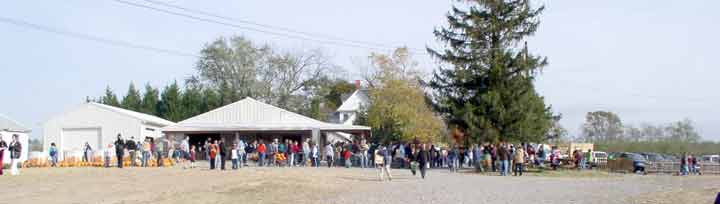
pixel 339 185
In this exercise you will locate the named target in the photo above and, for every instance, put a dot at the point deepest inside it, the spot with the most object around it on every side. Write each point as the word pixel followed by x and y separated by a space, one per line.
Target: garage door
pixel 74 139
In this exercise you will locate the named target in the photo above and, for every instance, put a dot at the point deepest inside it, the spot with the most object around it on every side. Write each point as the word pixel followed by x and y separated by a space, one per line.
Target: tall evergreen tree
pixel 487 91
pixel 150 100
pixel 192 102
pixel 211 100
pixel 132 100
pixel 170 106
pixel 110 98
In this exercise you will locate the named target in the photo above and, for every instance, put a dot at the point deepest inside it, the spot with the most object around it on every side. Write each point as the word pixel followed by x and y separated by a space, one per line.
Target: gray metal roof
pixel 10 125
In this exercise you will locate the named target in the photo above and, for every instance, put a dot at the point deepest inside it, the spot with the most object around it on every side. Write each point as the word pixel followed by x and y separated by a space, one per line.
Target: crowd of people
pixel 504 158
pixel 689 165
pixel 138 152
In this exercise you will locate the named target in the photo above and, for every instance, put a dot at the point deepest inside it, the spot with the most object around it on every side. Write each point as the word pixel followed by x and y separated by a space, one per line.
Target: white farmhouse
pixel 347 112
pixel 99 125
pixel 8 128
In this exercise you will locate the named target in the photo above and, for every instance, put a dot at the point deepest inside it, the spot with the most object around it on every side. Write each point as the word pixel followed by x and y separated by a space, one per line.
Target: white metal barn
pixel 8 128
pixel 99 125
pixel 250 120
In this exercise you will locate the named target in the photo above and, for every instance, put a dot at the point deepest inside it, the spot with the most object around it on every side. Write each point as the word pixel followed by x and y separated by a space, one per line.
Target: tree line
pixel 483 90
pixel 608 132
pixel 231 69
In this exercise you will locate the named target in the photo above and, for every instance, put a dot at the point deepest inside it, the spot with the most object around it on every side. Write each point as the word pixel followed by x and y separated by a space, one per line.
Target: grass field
pixel 339 185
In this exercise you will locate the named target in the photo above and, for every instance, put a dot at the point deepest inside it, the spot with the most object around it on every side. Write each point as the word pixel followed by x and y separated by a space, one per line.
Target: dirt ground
pixel 339 185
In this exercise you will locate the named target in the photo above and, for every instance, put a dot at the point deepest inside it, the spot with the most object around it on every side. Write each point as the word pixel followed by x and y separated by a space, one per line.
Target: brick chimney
pixel 358 84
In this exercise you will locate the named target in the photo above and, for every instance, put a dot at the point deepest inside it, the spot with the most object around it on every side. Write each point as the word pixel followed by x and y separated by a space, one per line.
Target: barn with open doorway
pixel 251 120
pixel 98 125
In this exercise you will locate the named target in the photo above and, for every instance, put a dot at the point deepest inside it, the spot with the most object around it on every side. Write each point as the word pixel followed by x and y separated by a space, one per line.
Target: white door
pixel 74 139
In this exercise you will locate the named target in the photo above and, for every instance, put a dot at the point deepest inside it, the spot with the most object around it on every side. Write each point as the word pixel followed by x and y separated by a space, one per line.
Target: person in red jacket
pixel 3 147
pixel 347 154
pixel 213 154
pixel 294 152
pixel 261 153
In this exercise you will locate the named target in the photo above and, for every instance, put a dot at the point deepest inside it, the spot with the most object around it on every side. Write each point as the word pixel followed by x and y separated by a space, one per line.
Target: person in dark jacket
pixel 423 157
pixel 223 152
pixel 132 147
pixel 412 159
pixel 503 155
pixel 15 152
pixel 119 150
pixel 87 152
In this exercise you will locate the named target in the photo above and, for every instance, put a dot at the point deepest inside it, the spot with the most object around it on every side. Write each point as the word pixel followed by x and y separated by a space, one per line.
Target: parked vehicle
pixel 710 159
pixel 626 161
pixel 599 158
pixel 653 157
pixel 672 158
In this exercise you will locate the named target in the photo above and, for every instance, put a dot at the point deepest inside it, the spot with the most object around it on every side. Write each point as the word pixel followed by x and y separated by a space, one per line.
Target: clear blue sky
pixel 645 60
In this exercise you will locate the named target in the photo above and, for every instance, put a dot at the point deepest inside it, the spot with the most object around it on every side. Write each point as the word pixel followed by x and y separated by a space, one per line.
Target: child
pixel 347 155
pixel 106 155
pixel 234 157
pixel 192 157
pixel 53 155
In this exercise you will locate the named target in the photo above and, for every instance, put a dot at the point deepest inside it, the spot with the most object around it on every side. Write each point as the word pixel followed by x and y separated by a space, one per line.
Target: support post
pixel 316 137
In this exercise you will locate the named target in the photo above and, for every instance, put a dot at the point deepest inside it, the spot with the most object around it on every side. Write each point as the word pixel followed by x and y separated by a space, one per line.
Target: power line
pixel 76 35
pixel 317 35
pixel 208 20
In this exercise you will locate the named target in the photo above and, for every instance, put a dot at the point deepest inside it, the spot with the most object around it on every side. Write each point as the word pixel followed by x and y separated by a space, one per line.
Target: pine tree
pixel 110 98
pixel 487 92
pixel 192 102
pixel 211 100
pixel 170 106
pixel 132 100
pixel 150 100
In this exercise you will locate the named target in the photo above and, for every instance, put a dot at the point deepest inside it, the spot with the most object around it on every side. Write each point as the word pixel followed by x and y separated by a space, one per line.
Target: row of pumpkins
pixel 97 162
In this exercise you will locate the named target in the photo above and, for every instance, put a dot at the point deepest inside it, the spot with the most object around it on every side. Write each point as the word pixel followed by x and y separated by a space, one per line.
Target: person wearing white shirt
pixel 315 156
pixel 185 151
pixel 234 156
pixel 329 154
pixel 107 155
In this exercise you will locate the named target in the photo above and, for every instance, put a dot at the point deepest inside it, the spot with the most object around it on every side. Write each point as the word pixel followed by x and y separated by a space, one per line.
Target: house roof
pixel 140 116
pixel 250 114
pixel 8 124
pixel 353 103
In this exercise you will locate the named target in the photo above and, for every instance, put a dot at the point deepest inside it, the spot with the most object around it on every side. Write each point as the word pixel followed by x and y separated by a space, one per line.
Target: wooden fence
pixel 671 167
pixel 659 168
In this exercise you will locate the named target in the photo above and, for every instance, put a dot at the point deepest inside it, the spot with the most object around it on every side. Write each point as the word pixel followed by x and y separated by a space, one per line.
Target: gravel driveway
pixel 340 185
pixel 444 187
